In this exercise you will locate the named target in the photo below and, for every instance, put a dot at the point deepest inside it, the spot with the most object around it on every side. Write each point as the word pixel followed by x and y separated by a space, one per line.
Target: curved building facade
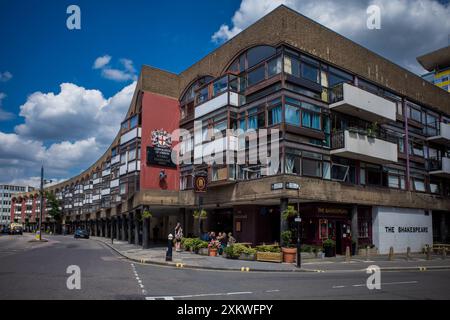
pixel 363 153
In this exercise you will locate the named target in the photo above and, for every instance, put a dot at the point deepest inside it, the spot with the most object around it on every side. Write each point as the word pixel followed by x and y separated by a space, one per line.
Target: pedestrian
pixel 178 237
pixel 231 239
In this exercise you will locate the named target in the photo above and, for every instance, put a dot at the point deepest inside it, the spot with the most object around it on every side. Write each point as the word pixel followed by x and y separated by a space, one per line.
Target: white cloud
pixel 408 28
pixel 100 62
pixel 74 113
pixel 66 132
pixel 5 76
pixel 127 73
pixel 4 115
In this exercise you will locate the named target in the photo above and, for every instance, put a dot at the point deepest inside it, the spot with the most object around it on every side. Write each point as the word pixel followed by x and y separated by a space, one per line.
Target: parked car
pixel 81 233
pixel 16 229
pixel 5 230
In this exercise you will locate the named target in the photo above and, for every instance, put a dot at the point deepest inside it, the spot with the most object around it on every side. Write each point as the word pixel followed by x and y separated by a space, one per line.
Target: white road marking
pixel 198 295
pixel 383 284
pixel 268 291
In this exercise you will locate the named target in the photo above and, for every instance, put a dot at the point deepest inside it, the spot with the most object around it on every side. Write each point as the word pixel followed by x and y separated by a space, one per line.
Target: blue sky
pixel 58 110
pixel 40 52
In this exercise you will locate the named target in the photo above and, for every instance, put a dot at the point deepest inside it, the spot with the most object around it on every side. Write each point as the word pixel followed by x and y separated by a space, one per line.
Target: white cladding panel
pixel 401 228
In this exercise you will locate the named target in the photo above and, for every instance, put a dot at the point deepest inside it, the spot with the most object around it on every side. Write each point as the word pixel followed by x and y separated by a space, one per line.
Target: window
pixel 256 76
pixel 434 187
pixel 275 115
pixel 131 154
pixel 133 122
pixel 374 174
pixel 220 126
pixel 274 67
pixel 220 86
pixel 312 168
pixel 292 164
pixel 292 66
pixel 257 54
pixel 419 184
pixel 416 149
pixel 202 95
pixel 253 118
pixel 123 160
pixel 310 72
pixel 292 115
pixel 415 114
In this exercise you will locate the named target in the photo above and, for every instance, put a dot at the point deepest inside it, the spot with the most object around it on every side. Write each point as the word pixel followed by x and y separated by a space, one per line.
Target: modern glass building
pixel 361 151
pixel 438 65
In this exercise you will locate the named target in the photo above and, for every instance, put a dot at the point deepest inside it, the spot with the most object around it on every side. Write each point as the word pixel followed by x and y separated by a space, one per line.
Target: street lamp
pixel 298 220
pixel 42 201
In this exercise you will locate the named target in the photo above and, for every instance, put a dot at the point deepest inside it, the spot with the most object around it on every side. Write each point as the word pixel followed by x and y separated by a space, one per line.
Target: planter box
pixel 203 251
pixel 270 256
pixel 372 252
pixel 247 257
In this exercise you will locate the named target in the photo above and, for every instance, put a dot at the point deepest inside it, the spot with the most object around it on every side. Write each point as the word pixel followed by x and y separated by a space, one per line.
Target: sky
pixel 63 93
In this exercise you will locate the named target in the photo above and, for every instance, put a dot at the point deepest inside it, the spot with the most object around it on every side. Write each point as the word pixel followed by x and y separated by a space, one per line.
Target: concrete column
pixel 107 228
pixel 130 228
pixel 118 229
pixel 145 233
pixel 444 230
pixel 102 228
pixel 123 228
pixel 283 223
pixel 136 230
pixel 355 230
pixel 113 228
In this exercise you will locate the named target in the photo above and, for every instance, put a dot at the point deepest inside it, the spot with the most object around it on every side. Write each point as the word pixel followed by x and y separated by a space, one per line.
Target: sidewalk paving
pixel 157 255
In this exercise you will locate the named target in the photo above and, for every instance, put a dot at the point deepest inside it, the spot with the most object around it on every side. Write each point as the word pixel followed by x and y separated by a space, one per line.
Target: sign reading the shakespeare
pixel 200 181
pixel 160 152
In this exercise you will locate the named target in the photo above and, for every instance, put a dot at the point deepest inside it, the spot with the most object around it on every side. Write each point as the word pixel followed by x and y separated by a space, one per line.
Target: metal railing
pixel 338 137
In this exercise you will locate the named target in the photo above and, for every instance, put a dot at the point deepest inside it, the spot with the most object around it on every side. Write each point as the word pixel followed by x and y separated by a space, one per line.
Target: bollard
pixel 367 253
pixel 428 252
pixel 391 253
pixel 169 248
pixel 408 253
pixel 347 254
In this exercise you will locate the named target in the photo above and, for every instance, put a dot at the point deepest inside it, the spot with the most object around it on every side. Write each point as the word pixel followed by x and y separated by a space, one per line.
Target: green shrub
pixel 198 244
pixel 235 250
pixel 187 243
pixel 268 248
pixel 329 243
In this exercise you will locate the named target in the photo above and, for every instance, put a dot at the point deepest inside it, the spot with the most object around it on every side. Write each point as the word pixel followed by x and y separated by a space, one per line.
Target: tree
pixel 54 211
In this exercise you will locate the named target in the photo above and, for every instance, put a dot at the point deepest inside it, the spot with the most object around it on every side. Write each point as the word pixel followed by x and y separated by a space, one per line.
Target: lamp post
pixel 299 221
pixel 41 191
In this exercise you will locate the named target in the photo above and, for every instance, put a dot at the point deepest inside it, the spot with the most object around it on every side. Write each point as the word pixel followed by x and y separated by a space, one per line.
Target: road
pixel 38 271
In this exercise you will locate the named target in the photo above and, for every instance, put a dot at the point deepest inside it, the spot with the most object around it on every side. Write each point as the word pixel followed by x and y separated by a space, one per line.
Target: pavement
pixel 157 255
pixel 39 271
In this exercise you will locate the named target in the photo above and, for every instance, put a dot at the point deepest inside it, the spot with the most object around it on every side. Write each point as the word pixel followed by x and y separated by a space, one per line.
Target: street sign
pixel 298 219
pixel 200 182
pixel 277 186
pixel 292 186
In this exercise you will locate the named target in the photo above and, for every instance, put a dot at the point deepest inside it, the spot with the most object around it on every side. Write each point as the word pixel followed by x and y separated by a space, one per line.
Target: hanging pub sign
pixel 160 152
pixel 200 181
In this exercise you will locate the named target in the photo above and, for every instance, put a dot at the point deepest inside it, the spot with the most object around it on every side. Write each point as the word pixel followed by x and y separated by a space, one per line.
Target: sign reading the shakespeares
pixel 160 153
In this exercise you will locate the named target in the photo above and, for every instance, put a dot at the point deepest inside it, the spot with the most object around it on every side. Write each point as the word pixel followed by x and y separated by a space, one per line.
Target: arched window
pixel 251 58
pixel 189 94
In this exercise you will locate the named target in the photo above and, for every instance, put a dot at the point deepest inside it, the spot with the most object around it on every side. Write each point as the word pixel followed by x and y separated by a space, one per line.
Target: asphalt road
pixel 38 271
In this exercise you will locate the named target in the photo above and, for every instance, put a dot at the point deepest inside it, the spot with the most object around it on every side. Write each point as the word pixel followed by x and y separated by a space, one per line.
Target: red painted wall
pixel 158 112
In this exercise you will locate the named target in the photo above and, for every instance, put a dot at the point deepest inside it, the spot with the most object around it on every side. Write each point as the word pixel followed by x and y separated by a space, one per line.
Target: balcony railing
pixel 442 131
pixel 349 99
pixel 440 168
pixel 376 147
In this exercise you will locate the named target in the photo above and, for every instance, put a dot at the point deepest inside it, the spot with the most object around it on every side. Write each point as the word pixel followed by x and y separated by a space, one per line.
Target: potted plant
pixel 213 247
pixel 329 248
pixel 231 252
pixel 288 249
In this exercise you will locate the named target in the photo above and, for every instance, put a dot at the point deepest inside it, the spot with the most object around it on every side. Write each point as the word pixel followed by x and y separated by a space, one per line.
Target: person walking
pixel 178 237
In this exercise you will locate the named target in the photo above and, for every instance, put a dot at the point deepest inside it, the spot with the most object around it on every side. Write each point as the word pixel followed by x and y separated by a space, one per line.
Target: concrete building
pixel 437 63
pixel 366 141
pixel 7 193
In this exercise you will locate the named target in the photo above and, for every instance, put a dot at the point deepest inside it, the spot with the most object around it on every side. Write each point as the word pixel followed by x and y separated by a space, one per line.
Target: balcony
pixel 362 104
pixel 130 135
pixel 359 146
pixel 220 101
pixel 440 168
pixel 443 134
